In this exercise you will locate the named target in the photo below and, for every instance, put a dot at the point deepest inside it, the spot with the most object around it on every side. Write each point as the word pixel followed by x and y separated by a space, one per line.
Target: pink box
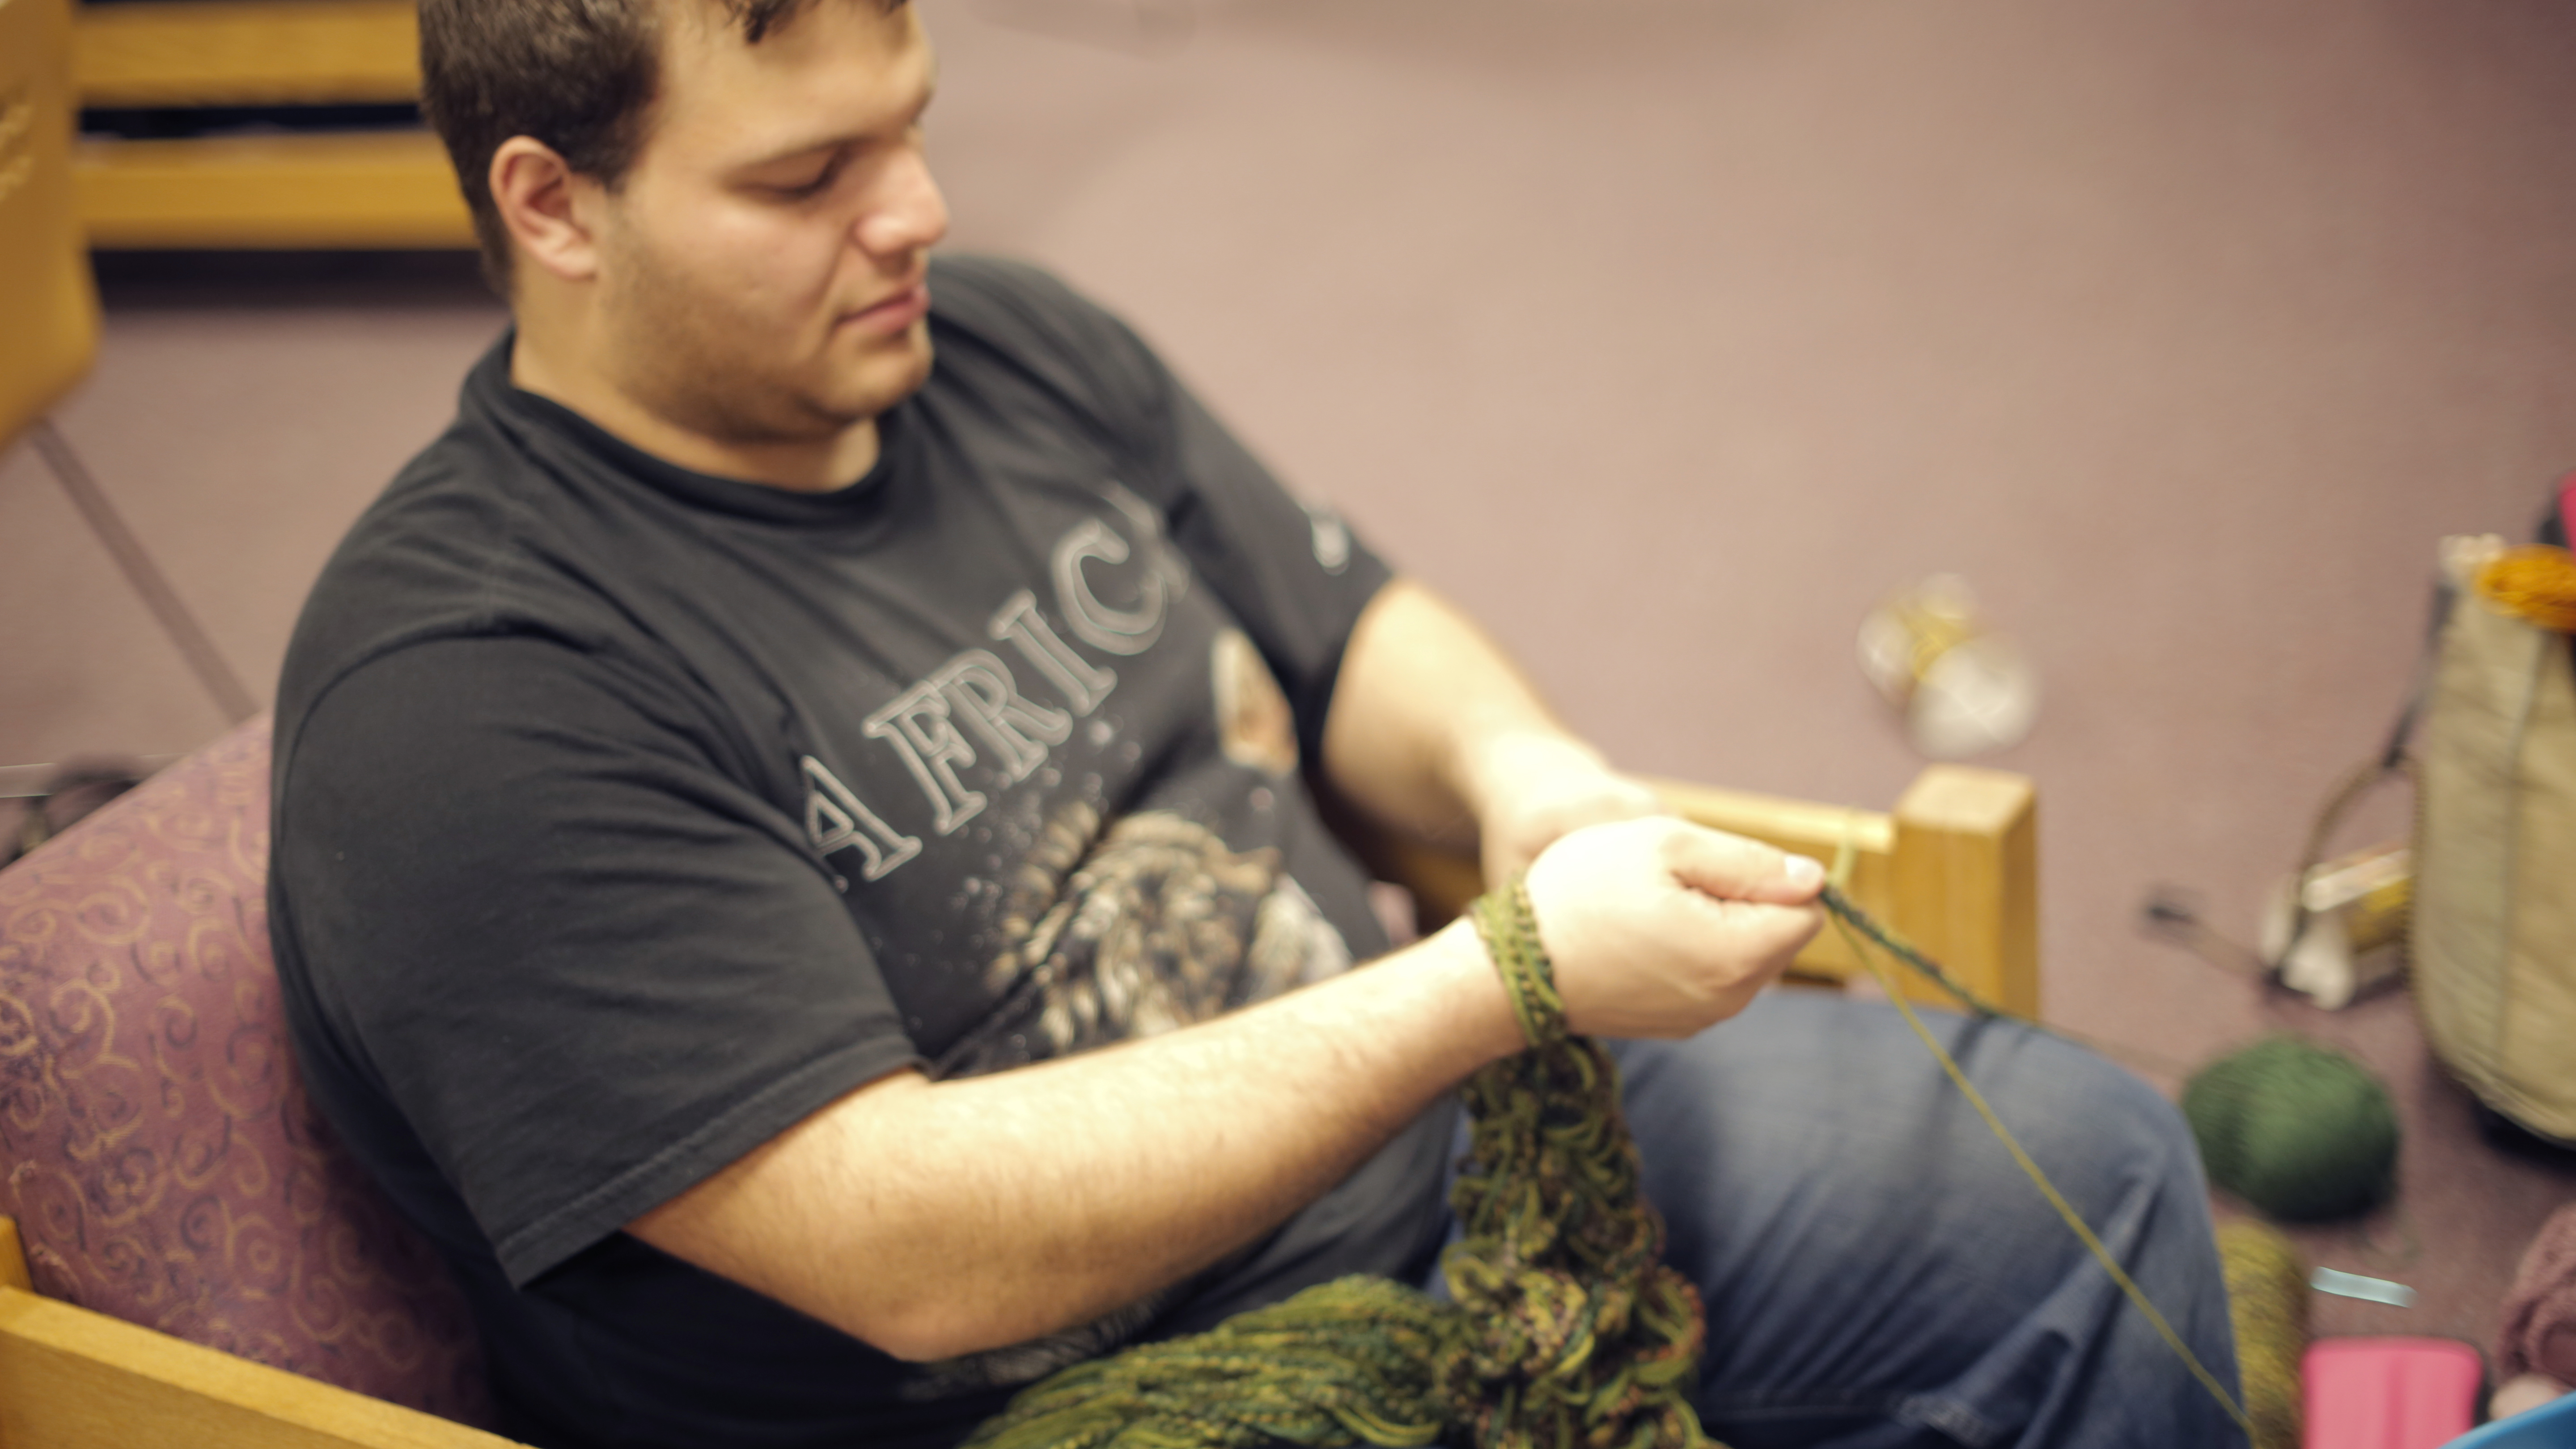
pixel 2390 1393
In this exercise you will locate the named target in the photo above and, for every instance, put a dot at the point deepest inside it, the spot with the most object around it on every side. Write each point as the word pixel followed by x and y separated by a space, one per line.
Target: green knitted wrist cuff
pixel 1510 931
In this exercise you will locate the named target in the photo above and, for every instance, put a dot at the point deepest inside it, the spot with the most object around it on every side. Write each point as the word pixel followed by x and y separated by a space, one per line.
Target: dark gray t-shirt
pixel 626 815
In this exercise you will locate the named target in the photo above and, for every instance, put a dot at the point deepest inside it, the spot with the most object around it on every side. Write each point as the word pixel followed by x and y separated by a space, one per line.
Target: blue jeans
pixel 1877 1271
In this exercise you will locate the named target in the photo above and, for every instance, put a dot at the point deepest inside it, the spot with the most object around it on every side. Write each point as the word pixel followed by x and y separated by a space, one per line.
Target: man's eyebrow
pixel 813 145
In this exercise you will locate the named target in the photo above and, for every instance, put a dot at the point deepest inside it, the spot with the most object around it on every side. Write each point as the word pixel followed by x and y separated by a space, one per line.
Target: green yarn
pixel 1567 1331
pixel 2300 1131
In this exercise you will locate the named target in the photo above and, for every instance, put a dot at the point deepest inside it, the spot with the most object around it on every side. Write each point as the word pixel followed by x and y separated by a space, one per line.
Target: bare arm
pixel 992 1209
pixel 1436 733
pixel 939 1219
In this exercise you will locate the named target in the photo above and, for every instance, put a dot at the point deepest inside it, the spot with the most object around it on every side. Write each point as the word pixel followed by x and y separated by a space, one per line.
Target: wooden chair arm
pixel 74 1379
pixel 1954 868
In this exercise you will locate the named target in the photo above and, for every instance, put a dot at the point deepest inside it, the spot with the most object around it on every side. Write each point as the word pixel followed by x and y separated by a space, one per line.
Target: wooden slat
pixel 48 310
pixel 1953 868
pixel 385 189
pixel 247 52
pixel 1803 827
pixel 13 1260
pixel 73 1379
pixel 1967 879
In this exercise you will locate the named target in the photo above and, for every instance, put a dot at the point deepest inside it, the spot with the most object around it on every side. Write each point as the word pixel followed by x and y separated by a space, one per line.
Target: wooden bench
pixel 319 190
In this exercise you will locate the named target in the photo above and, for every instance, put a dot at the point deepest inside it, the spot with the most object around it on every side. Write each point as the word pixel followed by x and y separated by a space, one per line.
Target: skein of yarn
pixel 2267 1300
pixel 2300 1131
pixel 2536 582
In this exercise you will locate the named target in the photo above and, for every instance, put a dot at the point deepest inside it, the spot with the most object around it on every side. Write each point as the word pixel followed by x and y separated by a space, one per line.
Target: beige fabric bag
pixel 2494 929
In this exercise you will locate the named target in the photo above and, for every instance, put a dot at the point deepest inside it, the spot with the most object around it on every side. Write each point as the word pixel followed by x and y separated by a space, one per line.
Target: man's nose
pixel 910 214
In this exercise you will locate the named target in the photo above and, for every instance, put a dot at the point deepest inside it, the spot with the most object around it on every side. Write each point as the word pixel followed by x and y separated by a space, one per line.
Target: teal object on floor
pixel 2551 1426
pixel 2302 1132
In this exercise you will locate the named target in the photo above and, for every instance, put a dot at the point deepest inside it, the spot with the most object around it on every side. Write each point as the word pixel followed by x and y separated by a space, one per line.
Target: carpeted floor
pixel 1668 336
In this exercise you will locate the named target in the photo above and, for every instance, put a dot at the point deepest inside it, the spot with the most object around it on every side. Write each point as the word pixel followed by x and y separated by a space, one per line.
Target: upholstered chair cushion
pixel 156 1145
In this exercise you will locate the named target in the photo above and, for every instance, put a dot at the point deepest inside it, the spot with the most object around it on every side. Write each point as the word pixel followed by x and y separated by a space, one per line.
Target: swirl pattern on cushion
pixel 156 1144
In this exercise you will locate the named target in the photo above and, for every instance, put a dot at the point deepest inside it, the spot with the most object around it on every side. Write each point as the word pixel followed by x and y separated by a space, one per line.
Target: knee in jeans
pixel 2108 1114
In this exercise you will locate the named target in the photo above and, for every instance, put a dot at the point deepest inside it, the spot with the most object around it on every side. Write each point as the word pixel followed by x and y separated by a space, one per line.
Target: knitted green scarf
pixel 1566 1331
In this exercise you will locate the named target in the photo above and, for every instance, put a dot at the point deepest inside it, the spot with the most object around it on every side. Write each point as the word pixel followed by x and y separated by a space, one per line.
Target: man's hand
pixel 1660 928
pixel 1532 787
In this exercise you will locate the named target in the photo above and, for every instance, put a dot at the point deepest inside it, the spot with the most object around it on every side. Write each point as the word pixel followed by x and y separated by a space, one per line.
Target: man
pixel 796 865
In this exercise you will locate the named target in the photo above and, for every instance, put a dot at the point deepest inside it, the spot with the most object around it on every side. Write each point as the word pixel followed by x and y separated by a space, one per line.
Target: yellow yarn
pixel 2267 1300
pixel 2536 583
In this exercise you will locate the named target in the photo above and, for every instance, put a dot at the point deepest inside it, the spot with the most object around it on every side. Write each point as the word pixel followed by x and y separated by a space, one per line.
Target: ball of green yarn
pixel 2300 1131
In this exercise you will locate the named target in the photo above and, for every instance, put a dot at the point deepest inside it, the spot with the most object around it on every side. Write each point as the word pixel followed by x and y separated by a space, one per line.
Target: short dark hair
pixel 578 75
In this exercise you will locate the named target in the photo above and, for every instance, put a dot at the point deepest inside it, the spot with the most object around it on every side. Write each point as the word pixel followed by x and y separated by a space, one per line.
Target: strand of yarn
pixel 1886 939
pixel 1856 924
pixel 1566 1332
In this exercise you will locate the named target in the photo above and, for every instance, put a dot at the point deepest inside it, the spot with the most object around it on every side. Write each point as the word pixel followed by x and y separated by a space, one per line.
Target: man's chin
pixel 890 372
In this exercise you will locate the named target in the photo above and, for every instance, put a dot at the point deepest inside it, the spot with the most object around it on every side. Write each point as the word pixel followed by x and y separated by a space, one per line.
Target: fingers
pixel 1660 927
pixel 1733 868
pixel 1764 933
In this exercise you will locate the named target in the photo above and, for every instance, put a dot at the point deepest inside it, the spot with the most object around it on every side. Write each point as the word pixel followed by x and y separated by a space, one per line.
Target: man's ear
pixel 539 199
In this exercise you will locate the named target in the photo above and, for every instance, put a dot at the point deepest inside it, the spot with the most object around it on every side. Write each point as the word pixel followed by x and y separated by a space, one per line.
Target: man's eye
pixel 814 185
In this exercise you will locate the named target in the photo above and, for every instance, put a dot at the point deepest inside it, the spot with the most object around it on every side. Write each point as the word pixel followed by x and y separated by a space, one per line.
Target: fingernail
pixel 1803 872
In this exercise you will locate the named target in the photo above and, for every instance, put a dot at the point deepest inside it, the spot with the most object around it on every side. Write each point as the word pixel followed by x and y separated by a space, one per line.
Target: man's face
pixel 761 269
